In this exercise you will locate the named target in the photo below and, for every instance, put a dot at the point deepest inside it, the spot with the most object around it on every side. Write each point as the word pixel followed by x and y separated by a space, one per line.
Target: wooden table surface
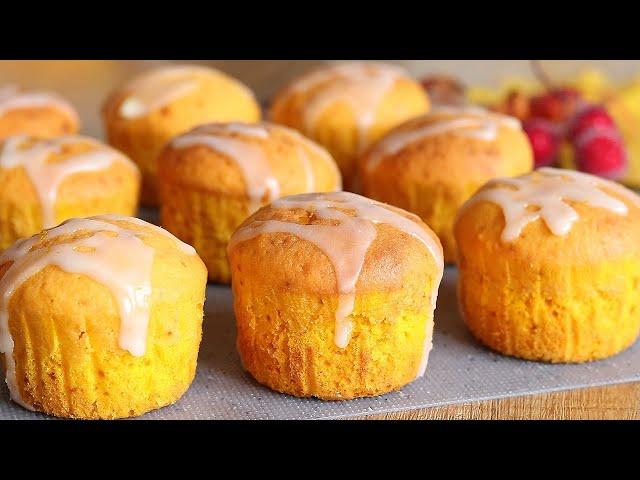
pixel 615 402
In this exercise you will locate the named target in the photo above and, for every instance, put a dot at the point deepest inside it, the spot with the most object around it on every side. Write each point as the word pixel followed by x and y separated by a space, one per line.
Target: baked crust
pixel 339 127
pixel 546 297
pixel 215 97
pixel 65 328
pixel 436 173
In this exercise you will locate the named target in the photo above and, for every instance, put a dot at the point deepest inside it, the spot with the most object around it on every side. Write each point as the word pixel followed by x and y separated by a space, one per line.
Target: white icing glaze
pixel 114 255
pixel 262 185
pixel 13 98
pixel 46 177
pixel 256 130
pixel 473 110
pixel 260 182
pixel 544 193
pixel 153 90
pixel 180 245
pixel 474 122
pixel 345 242
pixel 320 153
pixel 360 85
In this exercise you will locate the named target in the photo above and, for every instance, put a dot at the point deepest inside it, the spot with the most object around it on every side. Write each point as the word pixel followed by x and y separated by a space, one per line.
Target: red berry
pixel 556 105
pixel 593 117
pixel 544 141
pixel 601 153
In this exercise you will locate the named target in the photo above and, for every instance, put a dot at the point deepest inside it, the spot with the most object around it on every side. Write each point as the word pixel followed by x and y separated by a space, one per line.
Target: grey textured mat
pixel 459 370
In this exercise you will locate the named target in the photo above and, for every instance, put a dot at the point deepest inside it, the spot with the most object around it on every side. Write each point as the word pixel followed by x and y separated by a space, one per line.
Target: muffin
pixel 348 106
pixel 439 160
pixel 334 295
pixel 213 177
pixel 143 114
pixel 550 266
pixel 100 318
pixel 40 114
pixel 46 181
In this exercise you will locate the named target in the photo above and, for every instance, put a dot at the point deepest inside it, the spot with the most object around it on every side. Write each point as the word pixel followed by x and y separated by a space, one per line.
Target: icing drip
pixel 47 177
pixel 320 153
pixel 345 242
pixel 12 98
pixel 114 255
pixel 360 85
pixel 259 179
pixel 475 123
pixel 250 157
pixel 158 88
pixel 543 194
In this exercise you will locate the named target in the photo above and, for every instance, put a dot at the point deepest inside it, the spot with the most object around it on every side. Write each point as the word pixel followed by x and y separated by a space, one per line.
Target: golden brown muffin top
pixel 554 214
pixel 152 90
pixel 13 97
pixel 261 161
pixel 360 85
pixel 49 162
pixel 451 141
pixel 115 251
pixel 318 237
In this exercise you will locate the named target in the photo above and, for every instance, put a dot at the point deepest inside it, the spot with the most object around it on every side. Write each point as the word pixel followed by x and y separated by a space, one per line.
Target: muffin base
pixel 205 220
pixel 286 341
pixel 559 314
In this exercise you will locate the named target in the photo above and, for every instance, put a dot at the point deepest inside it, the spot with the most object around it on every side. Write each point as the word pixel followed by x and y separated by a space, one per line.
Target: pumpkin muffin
pixel 144 113
pixel 348 106
pixel 439 160
pixel 46 181
pixel 550 266
pixel 36 113
pixel 216 175
pixel 334 295
pixel 100 318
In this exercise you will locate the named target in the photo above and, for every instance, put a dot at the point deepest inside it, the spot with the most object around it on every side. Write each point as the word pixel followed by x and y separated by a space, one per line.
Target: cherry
pixel 544 141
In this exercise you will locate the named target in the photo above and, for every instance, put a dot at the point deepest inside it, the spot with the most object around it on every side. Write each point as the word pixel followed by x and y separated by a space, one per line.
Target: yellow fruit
pixel 593 85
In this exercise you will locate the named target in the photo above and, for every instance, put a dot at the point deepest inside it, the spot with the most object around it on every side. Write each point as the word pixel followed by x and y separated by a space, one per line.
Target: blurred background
pixel 509 86
pixel 86 82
